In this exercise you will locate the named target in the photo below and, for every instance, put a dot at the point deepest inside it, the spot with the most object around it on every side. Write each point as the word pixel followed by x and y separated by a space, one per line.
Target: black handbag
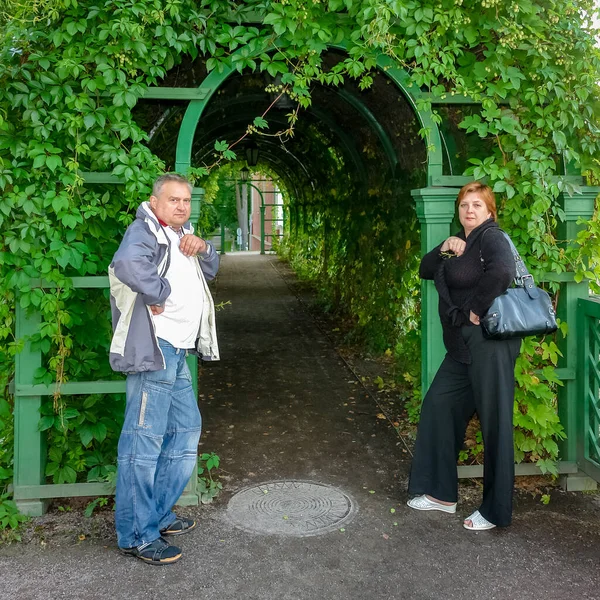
pixel 521 310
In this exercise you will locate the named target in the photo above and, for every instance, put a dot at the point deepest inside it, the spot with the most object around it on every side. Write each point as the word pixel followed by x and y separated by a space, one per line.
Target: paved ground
pixel 282 405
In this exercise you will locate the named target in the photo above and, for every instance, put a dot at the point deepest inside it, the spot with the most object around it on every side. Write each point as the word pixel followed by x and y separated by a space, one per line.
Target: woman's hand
pixel 474 318
pixel 454 244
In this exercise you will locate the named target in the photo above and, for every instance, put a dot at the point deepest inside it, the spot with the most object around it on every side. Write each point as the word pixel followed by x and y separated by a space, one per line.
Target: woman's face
pixel 472 212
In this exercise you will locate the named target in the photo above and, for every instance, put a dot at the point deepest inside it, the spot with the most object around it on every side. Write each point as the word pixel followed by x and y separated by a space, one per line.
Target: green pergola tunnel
pixel 367 138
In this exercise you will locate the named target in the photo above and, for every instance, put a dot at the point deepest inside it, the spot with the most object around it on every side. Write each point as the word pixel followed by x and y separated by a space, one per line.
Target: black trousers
pixel 486 386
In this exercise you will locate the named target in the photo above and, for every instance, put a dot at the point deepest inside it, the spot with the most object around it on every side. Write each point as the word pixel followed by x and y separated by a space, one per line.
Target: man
pixel 162 309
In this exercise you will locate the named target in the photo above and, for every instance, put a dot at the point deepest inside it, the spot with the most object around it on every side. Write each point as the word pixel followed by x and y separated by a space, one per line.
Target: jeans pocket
pixel 166 376
pixel 184 372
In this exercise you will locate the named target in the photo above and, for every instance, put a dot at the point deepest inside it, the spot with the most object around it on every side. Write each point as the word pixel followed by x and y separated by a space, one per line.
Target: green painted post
pixel 435 209
pixel 262 229
pixel 30 442
pixel 197 196
pixel 580 205
pixel 222 239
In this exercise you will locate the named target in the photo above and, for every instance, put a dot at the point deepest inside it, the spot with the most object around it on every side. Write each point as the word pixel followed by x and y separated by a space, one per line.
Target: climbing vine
pixel 71 71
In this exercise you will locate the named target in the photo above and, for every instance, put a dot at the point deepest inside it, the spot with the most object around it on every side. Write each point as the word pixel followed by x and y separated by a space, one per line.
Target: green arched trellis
pixel 435 210
pixel 401 79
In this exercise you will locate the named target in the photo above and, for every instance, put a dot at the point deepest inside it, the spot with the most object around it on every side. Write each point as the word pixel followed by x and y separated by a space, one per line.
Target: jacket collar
pixel 476 233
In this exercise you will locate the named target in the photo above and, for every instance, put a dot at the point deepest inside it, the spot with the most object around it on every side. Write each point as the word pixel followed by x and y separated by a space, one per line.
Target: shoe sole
pixel 179 531
pixel 484 528
pixel 441 508
pixel 149 561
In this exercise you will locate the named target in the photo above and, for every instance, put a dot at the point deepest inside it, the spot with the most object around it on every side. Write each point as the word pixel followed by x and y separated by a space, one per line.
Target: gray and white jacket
pixel 137 281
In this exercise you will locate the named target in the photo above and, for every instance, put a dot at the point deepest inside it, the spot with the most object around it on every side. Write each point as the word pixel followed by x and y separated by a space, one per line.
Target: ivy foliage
pixel 72 70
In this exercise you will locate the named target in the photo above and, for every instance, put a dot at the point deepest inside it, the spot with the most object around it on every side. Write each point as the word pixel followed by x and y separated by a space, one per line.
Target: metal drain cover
pixel 298 508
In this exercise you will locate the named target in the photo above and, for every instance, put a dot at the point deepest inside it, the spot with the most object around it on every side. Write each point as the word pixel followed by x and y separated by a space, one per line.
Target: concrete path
pixel 281 405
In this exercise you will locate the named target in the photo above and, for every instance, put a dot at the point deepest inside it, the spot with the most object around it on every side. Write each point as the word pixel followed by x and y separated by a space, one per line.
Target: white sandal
pixel 424 503
pixel 478 522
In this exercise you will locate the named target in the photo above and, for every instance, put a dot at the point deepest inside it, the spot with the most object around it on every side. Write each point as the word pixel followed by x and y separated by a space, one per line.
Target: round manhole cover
pixel 297 508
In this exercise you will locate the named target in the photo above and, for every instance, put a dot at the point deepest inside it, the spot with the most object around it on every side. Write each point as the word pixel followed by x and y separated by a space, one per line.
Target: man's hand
pixel 190 245
pixel 474 318
pixel 156 309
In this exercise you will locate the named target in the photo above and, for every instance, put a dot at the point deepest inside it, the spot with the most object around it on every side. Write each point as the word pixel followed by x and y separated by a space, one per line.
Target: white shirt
pixel 179 323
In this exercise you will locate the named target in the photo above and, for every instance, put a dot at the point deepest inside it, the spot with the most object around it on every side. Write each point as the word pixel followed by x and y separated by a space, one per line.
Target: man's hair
pixel 486 193
pixel 166 178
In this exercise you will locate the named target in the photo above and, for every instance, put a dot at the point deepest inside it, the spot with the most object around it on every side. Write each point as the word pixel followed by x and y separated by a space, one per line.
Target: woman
pixel 477 375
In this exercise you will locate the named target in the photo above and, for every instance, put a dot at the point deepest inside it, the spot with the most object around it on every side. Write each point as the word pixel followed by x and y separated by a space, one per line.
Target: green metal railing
pixel 29 484
pixel 263 234
pixel 589 386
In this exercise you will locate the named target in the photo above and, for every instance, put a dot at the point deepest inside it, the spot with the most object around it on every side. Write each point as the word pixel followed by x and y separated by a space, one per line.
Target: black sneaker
pixel 158 552
pixel 178 526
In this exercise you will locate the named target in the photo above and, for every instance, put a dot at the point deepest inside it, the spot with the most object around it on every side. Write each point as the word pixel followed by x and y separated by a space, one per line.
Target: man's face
pixel 173 204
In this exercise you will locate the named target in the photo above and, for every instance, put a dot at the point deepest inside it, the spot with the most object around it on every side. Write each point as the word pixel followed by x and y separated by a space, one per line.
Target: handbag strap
pixel 523 278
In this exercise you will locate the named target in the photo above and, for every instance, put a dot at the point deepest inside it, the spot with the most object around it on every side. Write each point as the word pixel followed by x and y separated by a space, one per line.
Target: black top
pixel 469 282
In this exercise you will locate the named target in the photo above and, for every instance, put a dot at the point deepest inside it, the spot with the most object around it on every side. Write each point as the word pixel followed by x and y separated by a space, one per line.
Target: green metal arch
pixel 375 125
pixel 400 77
pixel 386 64
pixel 187 130
pixel 291 164
pixel 343 137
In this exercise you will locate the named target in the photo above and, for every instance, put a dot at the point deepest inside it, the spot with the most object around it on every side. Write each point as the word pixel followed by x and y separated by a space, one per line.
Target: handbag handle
pixel 523 278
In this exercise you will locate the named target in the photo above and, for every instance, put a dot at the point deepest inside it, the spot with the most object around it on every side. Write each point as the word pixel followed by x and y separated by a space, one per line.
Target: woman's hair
pixel 484 192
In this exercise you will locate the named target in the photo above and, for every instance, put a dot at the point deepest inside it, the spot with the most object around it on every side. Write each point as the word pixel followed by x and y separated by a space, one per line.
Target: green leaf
pixel 260 123
pixel 99 431
pixel 85 435
pixel 46 423
pixel 53 162
pixel 89 121
pixel 39 161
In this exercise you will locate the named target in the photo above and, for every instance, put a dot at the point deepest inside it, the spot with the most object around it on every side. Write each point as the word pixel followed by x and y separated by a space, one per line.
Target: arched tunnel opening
pixel 346 171
pixel 345 168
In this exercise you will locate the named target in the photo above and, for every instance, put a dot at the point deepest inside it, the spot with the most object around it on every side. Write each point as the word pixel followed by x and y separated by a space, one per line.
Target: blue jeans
pixel 157 448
